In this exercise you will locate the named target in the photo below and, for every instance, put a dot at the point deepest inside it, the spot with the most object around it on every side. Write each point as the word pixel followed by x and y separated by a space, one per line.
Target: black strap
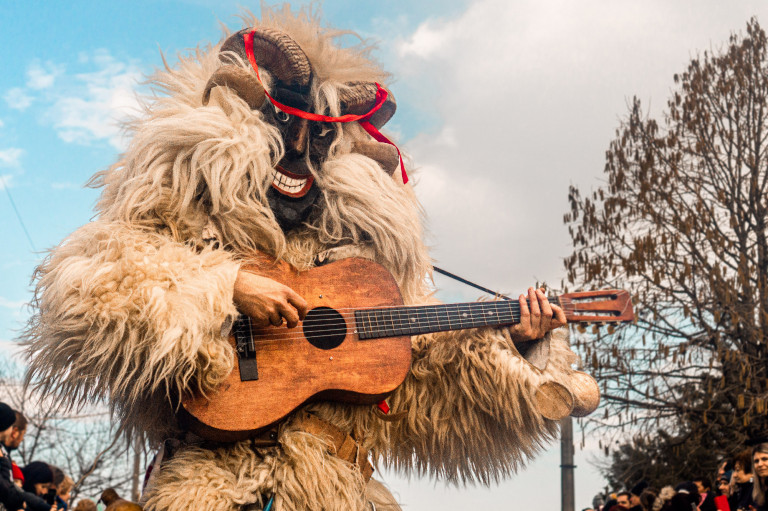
pixel 465 281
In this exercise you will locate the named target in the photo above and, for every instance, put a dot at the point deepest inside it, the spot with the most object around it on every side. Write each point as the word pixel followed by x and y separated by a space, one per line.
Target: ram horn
pixel 383 154
pixel 275 51
pixel 359 97
pixel 241 81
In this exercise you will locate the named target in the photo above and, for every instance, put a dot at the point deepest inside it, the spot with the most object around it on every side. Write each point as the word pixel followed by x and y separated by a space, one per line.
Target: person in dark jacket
pixel 741 484
pixel 10 498
pixel 38 487
pixel 707 496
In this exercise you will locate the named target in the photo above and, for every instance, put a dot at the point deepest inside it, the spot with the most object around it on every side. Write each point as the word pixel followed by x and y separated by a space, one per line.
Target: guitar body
pixel 294 368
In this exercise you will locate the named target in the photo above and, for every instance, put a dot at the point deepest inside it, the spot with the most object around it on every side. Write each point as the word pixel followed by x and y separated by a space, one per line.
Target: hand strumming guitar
pixel 268 302
pixel 539 319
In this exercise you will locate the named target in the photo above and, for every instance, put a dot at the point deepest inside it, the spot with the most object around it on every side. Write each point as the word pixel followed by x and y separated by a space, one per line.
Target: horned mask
pixel 289 106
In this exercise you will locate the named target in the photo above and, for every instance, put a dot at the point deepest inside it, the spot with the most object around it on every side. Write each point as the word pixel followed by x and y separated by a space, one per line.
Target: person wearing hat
pixel 634 496
pixel 10 495
pixel 38 483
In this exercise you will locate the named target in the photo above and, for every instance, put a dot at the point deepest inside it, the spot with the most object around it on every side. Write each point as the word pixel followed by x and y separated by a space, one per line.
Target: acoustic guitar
pixel 354 344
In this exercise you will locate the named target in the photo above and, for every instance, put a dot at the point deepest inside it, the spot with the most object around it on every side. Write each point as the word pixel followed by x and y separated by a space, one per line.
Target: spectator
pixel 760 471
pixel 63 490
pixel 634 496
pixel 622 499
pixel 687 497
pixel 724 483
pixel 10 496
pixel 664 500
pixel 38 484
pixel 741 483
pixel 647 499
pixel 706 495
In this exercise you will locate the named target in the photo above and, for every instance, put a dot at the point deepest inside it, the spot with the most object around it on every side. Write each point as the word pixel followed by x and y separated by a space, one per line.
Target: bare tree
pixel 682 222
pixel 83 444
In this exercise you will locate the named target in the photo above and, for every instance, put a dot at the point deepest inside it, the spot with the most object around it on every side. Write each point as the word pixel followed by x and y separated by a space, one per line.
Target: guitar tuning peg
pixel 611 329
pixel 596 328
pixel 581 327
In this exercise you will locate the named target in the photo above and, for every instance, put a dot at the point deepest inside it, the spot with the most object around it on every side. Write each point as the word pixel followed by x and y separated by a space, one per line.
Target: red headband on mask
pixel 363 120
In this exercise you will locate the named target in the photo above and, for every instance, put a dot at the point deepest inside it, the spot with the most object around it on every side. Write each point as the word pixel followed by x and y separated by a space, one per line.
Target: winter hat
pixel 638 488
pixel 7 416
pixel 36 472
pixel 18 475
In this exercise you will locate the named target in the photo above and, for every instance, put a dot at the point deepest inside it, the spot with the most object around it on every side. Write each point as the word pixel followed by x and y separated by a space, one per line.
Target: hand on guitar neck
pixel 267 301
pixel 537 320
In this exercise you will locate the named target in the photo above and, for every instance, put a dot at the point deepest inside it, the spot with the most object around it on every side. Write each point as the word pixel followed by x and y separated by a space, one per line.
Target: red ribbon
pixel 364 119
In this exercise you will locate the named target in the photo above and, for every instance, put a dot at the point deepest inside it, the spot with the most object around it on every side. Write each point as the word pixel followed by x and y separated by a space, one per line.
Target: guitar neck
pixel 425 319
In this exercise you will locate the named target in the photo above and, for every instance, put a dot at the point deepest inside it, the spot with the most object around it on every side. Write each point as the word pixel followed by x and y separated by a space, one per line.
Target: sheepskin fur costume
pixel 134 307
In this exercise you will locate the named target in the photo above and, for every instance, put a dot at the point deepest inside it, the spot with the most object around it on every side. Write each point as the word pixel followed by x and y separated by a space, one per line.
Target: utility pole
pixel 135 486
pixel 566 465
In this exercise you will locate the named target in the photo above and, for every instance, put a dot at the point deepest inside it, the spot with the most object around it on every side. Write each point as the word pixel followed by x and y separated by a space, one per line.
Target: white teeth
pixel 288 184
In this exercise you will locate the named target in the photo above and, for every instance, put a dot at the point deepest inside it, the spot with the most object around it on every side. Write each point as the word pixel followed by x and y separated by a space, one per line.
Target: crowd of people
pixel 741 484
pixel 37 486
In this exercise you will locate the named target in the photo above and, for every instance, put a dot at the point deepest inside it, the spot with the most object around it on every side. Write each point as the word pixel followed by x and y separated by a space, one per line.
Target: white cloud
pixel 5 180
pixel 528 95
pixel 10 157
pixel 18 99
pixel 39 78
pixel 11 304
pixel 96 102
pixel 1 123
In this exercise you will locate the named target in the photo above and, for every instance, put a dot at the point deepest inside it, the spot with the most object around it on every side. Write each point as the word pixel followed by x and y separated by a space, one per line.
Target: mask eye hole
pixel 281 116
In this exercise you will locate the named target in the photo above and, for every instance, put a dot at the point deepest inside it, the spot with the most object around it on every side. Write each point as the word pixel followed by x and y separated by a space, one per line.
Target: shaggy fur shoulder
pixel 129 315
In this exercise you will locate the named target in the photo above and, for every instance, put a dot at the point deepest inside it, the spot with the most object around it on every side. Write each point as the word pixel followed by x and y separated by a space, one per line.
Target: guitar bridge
pixel 246 353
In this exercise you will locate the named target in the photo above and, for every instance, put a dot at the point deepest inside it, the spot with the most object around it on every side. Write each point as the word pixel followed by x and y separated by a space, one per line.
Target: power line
pixel 18 216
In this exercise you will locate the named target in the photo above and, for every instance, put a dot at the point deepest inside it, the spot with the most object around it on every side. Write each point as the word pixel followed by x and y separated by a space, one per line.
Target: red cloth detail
pixel 381 97
pixel 383 406
pixel 18 475
pixel 721 502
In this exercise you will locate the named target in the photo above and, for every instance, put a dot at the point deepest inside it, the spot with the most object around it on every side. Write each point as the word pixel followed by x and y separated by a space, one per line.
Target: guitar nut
pixel 330 358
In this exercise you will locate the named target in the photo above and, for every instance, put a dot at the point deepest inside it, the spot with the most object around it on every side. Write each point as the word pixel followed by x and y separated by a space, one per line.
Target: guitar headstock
pixel 605 306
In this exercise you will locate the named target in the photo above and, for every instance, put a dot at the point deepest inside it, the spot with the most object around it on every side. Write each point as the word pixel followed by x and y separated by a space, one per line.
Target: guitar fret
pixel 422 319
pixel 413 320
pixel 397 322
pixel 389 328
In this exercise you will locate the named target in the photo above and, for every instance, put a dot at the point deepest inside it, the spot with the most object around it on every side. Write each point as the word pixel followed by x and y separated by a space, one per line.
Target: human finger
pixel 275 319
pixel 535 309
pixel 525 313
pixel 559 319
pixel 546 311
pixel 290 314
pixel 298 302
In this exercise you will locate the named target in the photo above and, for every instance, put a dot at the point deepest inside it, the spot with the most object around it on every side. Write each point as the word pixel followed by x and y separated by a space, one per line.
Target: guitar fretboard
pixel 423 319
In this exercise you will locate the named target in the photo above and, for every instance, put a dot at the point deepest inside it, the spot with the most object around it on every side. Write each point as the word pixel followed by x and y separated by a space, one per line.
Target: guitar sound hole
pixel 324 328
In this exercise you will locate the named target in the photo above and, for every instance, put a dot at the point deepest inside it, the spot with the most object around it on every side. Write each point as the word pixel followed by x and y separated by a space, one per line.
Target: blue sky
pixel 501 105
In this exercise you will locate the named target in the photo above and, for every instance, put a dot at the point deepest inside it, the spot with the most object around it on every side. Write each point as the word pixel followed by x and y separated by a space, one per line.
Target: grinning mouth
pixel 290 184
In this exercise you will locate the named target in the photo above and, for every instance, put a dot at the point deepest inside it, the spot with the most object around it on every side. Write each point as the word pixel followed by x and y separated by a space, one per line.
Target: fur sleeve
pixel 469 406
pixel 131 316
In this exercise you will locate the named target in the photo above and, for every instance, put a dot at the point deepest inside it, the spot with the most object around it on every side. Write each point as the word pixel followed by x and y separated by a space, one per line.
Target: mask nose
pixel 297 141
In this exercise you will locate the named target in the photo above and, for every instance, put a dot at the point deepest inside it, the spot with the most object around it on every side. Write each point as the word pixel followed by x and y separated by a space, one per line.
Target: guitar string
pixel 338 327
pixel 422 313
pixel 404 309
pixel 568 306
